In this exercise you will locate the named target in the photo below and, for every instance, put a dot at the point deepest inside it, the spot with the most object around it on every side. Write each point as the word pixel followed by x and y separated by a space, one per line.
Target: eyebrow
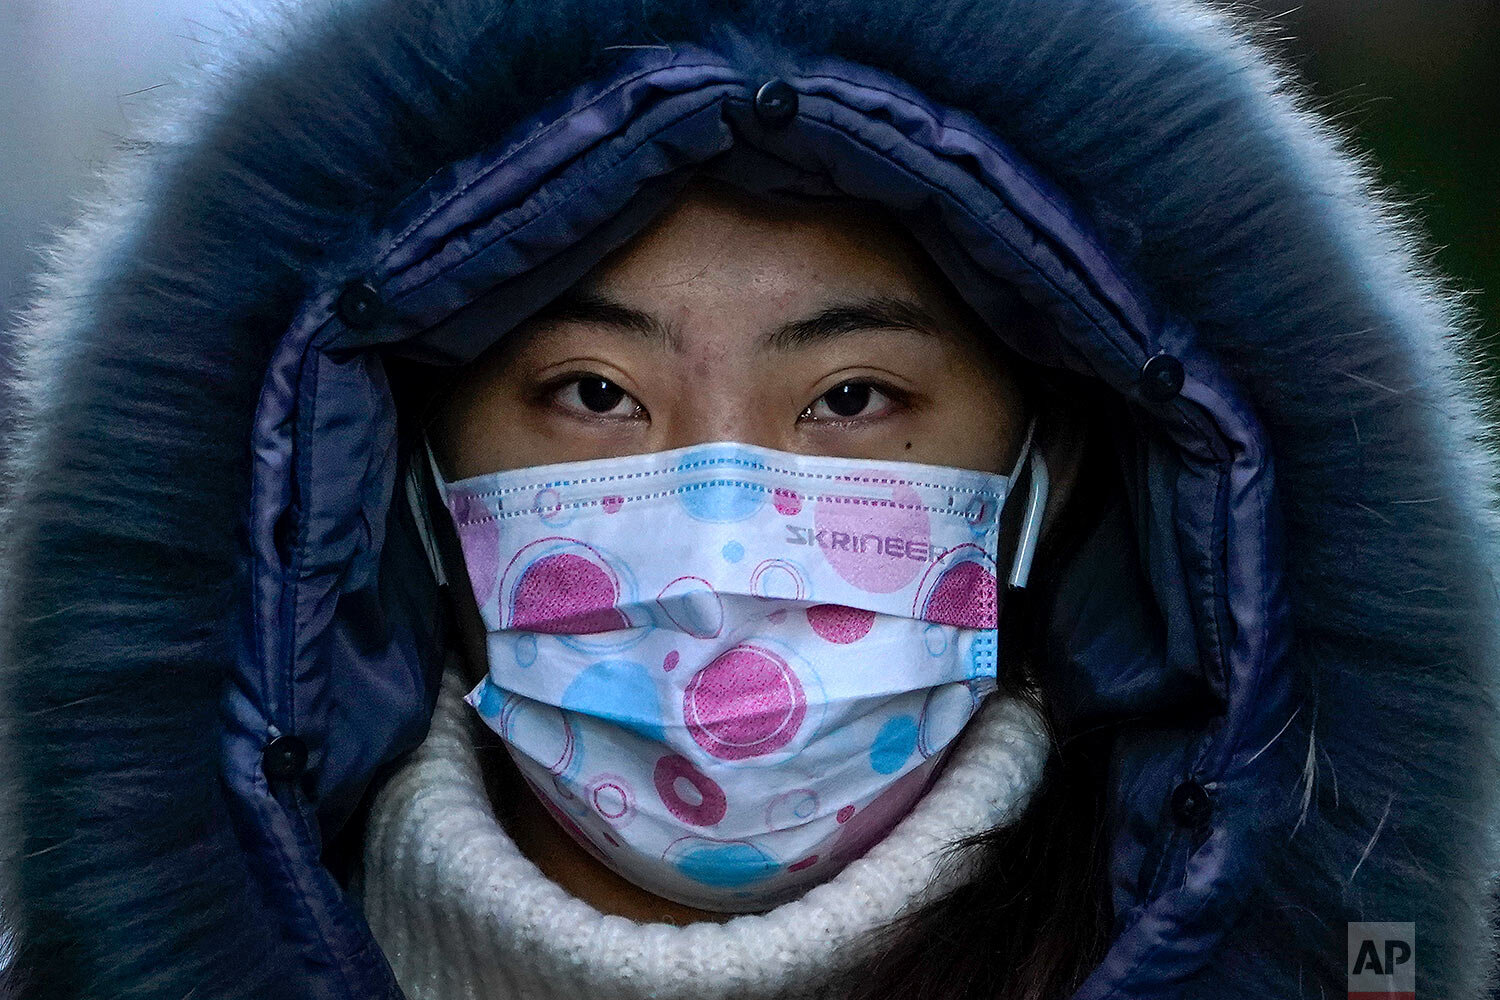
pixel 877 312
pixel 578 306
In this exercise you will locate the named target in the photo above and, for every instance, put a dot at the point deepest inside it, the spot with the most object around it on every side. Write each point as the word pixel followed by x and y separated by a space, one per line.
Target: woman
pixel 406 263
pixel 821 345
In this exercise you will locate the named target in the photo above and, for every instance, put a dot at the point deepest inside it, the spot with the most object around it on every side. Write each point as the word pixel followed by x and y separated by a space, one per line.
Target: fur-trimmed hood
pixel 219 624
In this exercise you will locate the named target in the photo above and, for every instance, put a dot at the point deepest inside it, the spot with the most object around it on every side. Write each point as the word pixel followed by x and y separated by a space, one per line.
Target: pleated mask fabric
pixel 726 670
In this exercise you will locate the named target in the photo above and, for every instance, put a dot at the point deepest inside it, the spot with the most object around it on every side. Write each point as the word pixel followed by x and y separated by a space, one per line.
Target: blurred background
pixel 1417 80
pixel 74 76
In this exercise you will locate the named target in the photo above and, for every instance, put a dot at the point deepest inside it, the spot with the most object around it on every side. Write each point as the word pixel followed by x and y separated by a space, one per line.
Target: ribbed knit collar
pixel 462 915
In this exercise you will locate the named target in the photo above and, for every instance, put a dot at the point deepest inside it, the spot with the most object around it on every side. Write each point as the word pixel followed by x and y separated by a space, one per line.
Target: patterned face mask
pixel 728 671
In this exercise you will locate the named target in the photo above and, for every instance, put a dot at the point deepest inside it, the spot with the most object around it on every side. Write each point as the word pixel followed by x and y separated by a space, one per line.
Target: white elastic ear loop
pixel 437 477
pixel 1036 506
pixel 1025 450
pixel 422 516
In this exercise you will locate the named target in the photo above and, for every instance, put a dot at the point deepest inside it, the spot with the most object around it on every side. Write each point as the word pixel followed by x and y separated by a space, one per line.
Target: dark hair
pixel 1033 917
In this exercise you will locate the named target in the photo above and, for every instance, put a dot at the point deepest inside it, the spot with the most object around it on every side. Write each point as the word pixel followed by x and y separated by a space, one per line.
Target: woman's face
pixel 819 330
pixel 813 329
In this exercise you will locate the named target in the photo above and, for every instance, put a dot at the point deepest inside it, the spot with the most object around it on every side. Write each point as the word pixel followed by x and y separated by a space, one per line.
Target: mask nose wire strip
pixel 1036 505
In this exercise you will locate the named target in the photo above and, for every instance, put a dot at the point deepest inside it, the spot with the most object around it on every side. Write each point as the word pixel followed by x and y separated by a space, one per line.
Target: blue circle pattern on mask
pixel 980 517
pixel 620 691
pixel 490 700
pixel 549 505
pixel 733 551
pixel 718 502
pixel 894 744
pixel 727 865
pixel 524 650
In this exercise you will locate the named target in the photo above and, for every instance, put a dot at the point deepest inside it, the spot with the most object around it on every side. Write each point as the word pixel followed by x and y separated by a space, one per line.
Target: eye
pixel 853 400
pixel 593 396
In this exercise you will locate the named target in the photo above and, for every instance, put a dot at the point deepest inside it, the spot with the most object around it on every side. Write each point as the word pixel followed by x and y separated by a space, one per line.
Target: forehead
pixel 720 241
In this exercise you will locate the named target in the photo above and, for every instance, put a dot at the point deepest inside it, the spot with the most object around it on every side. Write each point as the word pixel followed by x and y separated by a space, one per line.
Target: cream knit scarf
pixel 462 915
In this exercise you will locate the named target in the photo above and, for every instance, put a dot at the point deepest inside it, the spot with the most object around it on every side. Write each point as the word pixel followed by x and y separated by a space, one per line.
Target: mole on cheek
pixel 908 446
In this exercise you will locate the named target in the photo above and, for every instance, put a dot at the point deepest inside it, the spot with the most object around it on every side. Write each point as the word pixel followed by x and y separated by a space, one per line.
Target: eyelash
pixel 549 393
pixel 896 399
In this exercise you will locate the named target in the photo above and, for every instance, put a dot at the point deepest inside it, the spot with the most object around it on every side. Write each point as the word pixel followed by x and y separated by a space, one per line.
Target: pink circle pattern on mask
pixel 746 703
pixel 965 595
pixel 839 623
pixel 711 804
pixel 693 606
pixel 867 826
pixel 778 578
pixel 612 798
pixel 852 537
pixel 479 537
pixel 574 830
pixel 565 593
